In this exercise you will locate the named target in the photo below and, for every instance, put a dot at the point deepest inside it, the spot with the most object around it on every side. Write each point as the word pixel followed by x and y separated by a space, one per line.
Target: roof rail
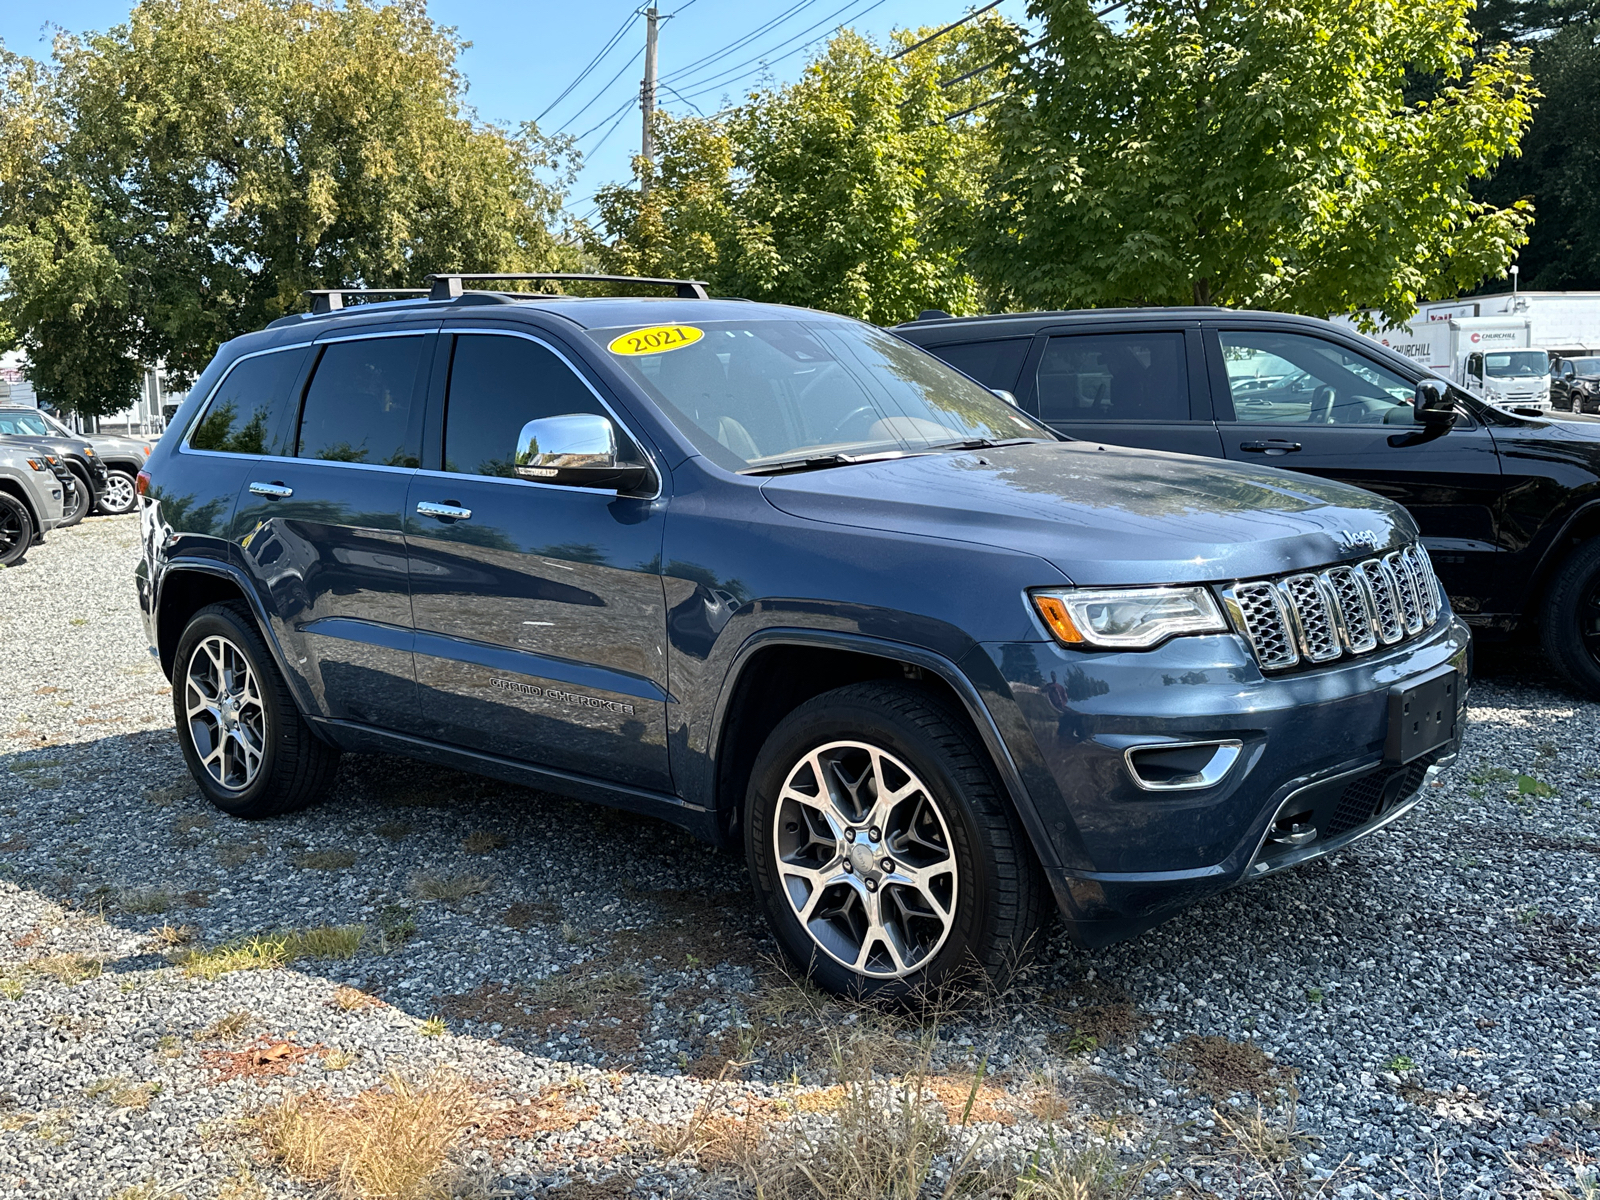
pixel 327 300
pixel 448 287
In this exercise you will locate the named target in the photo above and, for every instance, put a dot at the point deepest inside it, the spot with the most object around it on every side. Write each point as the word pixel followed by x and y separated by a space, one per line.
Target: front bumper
pixel 1122 857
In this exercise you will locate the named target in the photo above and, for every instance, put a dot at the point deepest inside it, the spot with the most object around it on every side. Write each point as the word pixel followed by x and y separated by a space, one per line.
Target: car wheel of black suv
pixel 246 744
pixel 119 495
pixel 16 530
pixel 1570 623
pixel 887 859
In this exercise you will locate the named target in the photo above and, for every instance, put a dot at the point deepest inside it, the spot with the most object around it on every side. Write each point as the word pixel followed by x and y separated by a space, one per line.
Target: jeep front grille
pixel 1318 616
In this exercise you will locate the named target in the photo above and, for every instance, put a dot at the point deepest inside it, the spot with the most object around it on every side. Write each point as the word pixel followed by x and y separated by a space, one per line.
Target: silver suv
pixel 30 499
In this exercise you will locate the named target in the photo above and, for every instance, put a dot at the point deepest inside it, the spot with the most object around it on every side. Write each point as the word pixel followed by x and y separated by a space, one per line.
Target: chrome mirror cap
pixel 577 449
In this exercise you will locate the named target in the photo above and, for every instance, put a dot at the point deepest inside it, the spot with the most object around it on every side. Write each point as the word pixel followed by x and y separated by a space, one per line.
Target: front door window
pixel 1294 379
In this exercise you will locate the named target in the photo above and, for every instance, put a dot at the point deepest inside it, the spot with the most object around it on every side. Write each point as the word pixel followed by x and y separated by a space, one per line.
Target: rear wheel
pixel 1570 625
pixel 882 849
pixel 16 530
pixel 246 744
pixel 119 494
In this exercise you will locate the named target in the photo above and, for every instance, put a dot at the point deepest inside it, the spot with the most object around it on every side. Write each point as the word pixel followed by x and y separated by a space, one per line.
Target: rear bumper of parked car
pixel 1312 742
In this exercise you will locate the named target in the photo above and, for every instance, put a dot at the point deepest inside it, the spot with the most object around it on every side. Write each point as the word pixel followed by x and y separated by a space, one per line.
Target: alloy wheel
pixel 72 500
pixel 12 531
pixel 226 717
pixel 865 859
pixel 118 496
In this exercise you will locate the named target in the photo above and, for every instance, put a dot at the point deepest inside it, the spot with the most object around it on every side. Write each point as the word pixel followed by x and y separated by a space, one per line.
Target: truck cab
pixel 1513 378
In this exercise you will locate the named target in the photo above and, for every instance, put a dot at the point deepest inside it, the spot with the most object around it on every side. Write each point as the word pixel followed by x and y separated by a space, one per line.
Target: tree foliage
pixel 1228 151
pixel 182 178
pixel 848 190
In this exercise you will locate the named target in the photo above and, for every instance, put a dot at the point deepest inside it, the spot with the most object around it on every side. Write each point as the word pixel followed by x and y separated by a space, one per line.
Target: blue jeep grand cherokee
pixel 779 577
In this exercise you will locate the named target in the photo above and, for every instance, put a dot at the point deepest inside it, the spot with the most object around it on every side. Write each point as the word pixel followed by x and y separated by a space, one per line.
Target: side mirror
pixel 577 449
pixel 1432 406
pixel 1005 395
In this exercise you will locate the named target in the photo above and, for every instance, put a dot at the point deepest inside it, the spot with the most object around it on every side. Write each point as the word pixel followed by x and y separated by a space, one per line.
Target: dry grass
pixel 449 889
pixel 171 793
pixel 481 841
pixel 235 854
pixel 225 1029
pixel 349 999
pixel 522 913
pixel 120 1093
pixel 169 936
pixel 265 1058
pixel 396 1141
pixel 144 901
pixel 69 969
pixel 325 860
pixel 268 950
pixel 394 831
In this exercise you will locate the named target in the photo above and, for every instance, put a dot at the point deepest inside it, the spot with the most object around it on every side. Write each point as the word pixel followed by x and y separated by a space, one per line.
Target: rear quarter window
pixel 253 409
pixel 995 364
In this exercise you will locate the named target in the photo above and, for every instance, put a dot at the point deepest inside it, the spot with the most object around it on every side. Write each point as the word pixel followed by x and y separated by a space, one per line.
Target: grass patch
pixel 433 1027
pixel 397 1141
pixel 397 925
pixel 11 988
pixel 325 860
pixel 394 831
pixel 265 951
pixel 449 889
pixel 236 854
pixel 349 999
pixel 171 793
pixel 226 1029
pixel 523 913
pixel 144 901
pixel 1400 1062
pixel 70 969
pixel 481 841
pixel 170 936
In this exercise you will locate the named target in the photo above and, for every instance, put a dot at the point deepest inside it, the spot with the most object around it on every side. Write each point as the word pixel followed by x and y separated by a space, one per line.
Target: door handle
pixel 272 491
pixel 447 512
pixel 1271 445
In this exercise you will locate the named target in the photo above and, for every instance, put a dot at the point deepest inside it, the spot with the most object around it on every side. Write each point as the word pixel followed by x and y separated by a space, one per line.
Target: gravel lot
pixel 1431 997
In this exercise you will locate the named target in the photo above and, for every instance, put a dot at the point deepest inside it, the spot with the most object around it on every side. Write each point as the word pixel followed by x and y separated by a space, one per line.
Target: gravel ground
pixel 1417 1017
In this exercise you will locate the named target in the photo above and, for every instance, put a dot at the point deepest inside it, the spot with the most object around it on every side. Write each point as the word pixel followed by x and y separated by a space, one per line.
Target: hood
pixel 1106 514
pixel 61 447
pixel 126 445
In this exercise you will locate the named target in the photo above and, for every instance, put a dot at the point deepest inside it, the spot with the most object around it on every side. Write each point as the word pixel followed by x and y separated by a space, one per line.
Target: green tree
pixel 1227 151
pixel 182 178
pixel 848 190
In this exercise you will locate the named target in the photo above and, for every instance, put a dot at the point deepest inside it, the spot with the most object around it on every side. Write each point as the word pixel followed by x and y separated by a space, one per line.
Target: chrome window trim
pixel 376 333
pixel 183 443
pixel 567 362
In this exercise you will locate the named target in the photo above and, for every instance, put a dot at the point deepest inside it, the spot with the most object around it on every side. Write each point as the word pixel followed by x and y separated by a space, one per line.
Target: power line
pixel 721 80
pixel 623 107
pixel 738 43
pixel 637 56
pixel 594 62
pixel 939 33
pixel 681 96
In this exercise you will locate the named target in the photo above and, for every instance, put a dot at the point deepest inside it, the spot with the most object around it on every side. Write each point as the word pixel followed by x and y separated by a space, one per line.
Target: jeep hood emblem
pixel 1356 539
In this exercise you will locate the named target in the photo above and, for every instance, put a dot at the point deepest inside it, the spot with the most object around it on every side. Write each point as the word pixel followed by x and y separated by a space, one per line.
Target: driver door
pixel 1286 398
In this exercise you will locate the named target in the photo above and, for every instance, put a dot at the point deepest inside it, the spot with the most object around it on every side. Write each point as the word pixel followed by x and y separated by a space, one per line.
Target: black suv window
pixel 1295 379
pixel 1114 377
pixel 252 410
pixel 498 383
pixel 358 407
pixel 993 364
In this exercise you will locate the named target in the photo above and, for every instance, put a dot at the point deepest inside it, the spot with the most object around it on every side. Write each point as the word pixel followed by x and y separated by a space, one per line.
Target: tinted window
pixel 25 424
pixel 993 364
pixel 358 407
pixel 252 412
pixel 1291 378
pixel 497 385
pixel 1114 377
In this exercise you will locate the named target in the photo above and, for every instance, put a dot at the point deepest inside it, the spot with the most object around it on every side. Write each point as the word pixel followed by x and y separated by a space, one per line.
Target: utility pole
pixel 647 97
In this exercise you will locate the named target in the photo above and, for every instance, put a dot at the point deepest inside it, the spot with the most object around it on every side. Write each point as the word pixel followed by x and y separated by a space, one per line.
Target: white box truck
pixel 1499 347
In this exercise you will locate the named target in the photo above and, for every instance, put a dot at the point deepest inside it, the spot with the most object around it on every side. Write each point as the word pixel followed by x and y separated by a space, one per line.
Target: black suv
pixel 1508 505
pixel 782 579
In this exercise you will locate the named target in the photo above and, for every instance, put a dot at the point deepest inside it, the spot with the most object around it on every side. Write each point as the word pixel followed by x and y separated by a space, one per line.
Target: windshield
pixel 750 394
pixel 1516 364
pixel 1586 366
pixel 24 424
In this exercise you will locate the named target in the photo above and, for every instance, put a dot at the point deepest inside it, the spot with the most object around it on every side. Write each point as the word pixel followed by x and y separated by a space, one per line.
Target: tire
pixel 16 530
pixel 272 763
pixel 120 493
pixel 74 503
pixel 1570 620
pixel 964 898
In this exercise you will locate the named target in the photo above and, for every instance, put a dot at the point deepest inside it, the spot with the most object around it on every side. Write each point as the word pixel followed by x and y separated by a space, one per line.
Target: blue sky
pixel 524 55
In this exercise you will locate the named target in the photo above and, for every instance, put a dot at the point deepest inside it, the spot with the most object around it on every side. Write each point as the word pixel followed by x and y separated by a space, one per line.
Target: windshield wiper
pixel 984 443
pixel 817 462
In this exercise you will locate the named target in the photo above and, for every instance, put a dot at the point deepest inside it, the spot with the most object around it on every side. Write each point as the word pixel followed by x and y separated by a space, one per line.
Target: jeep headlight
pixel 1128 618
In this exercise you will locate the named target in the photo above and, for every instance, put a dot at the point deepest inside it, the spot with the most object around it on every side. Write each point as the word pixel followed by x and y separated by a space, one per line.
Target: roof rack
pixel 327 300
pixel 448 287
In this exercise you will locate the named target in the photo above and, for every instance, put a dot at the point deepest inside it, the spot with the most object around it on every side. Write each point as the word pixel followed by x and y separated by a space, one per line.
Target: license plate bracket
pixel 1422 716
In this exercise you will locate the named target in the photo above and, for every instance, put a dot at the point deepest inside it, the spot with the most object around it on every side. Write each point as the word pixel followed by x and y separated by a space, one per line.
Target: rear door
pixel 1127 385
pixel 324 537
pixel 539 608
pixel 1316 404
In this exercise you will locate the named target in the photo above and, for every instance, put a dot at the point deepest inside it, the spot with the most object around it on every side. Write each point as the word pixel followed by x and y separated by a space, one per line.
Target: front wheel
pixel 74 500
pixel 119 495
pixel 887 859
pixel 1570 622
pixel 16 529
pixel 246 743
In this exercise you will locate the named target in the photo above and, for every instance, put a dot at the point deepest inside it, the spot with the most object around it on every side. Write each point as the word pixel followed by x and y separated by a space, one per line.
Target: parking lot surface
pixel 1417 1017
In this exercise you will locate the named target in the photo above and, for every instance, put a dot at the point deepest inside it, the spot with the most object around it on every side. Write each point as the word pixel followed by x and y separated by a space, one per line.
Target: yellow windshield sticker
pixel 656 339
